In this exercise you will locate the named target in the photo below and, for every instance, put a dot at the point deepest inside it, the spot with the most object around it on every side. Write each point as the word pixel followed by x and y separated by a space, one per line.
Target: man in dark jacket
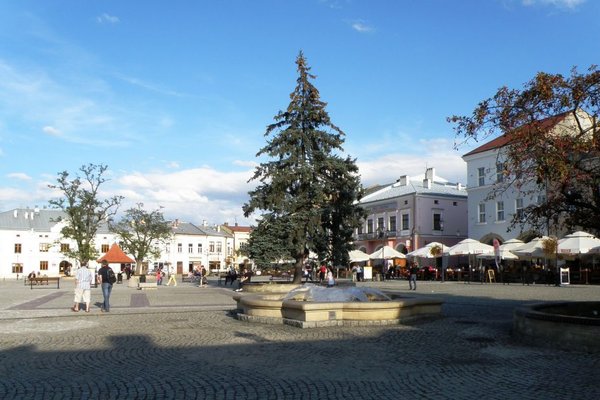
pixel 106 285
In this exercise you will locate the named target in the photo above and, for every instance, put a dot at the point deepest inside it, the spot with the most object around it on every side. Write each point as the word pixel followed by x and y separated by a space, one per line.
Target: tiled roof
pixel 545 124
pixel 415 187
pixel 116 255
pixel 187 228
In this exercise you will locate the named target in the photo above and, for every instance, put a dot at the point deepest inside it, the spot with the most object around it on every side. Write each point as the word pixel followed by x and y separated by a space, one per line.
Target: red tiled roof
pixel 115 255
pixel 545 124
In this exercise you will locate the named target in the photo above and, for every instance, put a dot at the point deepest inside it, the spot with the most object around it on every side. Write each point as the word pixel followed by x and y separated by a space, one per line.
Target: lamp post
pixel 381 235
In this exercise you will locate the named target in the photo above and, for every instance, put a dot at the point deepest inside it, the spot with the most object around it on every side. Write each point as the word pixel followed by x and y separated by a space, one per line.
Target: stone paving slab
pixel 186 344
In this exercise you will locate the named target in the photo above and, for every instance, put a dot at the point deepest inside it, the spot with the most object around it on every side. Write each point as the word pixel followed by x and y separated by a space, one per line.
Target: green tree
pixel 85 211
pixel 266 243
pixel 551 147
pixel 308 191
pixel 140 230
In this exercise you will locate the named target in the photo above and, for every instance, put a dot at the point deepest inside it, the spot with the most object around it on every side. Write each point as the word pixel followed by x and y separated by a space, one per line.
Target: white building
pixel 30 240
pixel 490 218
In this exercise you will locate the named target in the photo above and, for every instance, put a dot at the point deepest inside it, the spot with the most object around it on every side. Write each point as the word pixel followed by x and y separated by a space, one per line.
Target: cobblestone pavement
pixel 181 342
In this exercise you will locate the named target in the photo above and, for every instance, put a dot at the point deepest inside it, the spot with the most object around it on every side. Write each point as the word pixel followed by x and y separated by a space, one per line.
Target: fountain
pixel 311 306
pixel 566 325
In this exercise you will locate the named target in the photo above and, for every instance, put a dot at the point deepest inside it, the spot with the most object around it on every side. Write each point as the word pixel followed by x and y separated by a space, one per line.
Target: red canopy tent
pixel 115 255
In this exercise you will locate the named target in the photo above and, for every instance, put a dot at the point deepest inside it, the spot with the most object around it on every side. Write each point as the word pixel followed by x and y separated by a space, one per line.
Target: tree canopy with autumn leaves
pixel 551 145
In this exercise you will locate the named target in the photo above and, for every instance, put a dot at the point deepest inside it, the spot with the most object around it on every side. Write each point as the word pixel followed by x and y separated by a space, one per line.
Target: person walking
pixel 172 277
pixel 105 280
pixel 412 279
pixel 330 280
pixel 83 288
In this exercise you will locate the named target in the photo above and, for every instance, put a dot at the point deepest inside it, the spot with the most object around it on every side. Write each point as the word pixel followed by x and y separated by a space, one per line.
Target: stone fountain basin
pixel 566 325
pixel 271 308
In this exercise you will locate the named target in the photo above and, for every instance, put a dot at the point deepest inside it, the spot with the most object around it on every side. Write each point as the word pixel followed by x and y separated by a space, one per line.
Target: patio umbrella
pixel 425 251
pixel 578 243
pixel 533 249
pixel 358 256
pixel 467 247
pixel 505 250
pixel 386 252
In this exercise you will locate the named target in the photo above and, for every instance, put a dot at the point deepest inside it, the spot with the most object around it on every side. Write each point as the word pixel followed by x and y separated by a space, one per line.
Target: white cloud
pixel 106 18
pixel 19 176
pixel 361 27
pixel 570 4
pixel 52 131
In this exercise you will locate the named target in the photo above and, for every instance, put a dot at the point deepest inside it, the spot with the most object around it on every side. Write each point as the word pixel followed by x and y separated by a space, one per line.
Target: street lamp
pixel 381 235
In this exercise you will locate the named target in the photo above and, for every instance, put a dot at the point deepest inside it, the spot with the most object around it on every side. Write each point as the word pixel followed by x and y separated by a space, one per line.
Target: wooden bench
pixel 147 285
pixel 43 280
pixel 283 277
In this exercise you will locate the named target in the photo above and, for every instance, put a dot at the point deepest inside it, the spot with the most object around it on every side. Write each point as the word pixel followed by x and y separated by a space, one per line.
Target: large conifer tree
pixel 308 191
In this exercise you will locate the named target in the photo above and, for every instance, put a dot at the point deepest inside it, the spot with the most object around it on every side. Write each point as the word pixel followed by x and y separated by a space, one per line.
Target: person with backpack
pixel 107 278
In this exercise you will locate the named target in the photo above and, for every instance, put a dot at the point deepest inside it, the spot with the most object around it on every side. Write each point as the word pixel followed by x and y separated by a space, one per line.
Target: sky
pixel 175 96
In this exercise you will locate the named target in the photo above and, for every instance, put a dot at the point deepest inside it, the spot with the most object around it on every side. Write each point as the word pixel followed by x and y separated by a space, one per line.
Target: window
pixel 481 219
pixel 199 248
pixel 211 247
pixel 104 248
pixel 541 199
pixel 519 209
pixel 405 222
pixel 360 229
pixel 190 248
pixel 392 223
pixel 481 176
pixel 380 225
pixel 64 247
pixel 18 248
pixel 219 247
pixel 167 248
pixel 44 247
pixel 370 226
pixel 43 265
pixel 454 203
pixel 17 268
pixel 179 248
pixel 437 222
pixel 500 167
pixel 500 211
pixel 436 202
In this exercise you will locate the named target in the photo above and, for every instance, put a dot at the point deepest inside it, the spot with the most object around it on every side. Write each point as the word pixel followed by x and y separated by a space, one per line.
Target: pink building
pixel 413 212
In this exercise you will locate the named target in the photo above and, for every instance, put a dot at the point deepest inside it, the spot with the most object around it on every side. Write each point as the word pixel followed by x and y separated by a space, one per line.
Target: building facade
pixel 490 216
pixel 413 212
pixel 31 240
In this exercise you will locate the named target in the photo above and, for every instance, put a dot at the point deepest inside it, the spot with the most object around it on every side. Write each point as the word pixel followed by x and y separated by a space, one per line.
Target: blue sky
pixel 174 96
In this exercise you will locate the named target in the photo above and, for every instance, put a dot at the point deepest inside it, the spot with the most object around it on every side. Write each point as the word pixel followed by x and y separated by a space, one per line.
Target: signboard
pixel 564 276
pixel 368 273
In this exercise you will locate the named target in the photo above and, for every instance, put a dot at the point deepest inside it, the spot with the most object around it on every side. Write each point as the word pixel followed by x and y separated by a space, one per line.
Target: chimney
pixel 459 186
pixel 427 183
pixel 404 180
pixel 15 213
pixel 430 174
pixel 204 223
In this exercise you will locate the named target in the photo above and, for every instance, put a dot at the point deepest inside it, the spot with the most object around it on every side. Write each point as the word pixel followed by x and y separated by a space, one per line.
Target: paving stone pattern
pixel 182 343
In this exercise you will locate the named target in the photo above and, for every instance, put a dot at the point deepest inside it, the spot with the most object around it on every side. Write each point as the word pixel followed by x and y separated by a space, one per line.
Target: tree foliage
pixel 84 209
pixel 140 230
pixel 552 146
pixel 307 190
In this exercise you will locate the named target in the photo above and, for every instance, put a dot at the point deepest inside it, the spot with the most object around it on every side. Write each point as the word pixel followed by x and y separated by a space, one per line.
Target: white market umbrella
pixel 358 256
pixel 425 251
pixel 505 250
pixel 386 252
pixel 578 243
pixel 469 246
pixel 533 249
